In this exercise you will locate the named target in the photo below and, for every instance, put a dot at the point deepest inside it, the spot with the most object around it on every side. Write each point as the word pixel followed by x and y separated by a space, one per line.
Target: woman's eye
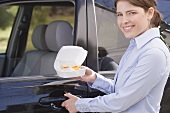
pixel 132 13
pixel 119 14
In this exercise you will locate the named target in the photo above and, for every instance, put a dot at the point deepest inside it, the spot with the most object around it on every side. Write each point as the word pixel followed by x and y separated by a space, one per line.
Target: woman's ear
pixel 151 11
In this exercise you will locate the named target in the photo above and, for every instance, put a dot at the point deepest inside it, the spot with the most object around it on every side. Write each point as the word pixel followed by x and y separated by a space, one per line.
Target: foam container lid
pixel 71 56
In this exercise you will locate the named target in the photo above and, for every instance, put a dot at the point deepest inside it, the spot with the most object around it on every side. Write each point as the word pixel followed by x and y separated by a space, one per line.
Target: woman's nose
pixel 125 19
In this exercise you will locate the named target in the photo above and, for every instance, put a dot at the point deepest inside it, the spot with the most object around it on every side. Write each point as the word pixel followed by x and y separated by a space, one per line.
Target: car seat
pixel 48 40
pixel 58 34
pixel 106 63
pixel 29 61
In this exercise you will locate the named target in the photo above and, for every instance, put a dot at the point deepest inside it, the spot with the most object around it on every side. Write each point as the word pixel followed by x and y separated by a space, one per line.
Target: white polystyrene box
pixel 71 56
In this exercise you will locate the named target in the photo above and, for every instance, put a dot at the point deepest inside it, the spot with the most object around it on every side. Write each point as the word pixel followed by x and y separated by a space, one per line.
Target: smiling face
pixel 133 20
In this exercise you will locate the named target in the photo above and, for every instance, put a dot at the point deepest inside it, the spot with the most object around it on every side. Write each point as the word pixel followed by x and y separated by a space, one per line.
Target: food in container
pixel 69 60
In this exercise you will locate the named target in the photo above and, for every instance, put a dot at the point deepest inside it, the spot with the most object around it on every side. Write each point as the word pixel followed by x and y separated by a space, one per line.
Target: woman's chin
pixel 129 36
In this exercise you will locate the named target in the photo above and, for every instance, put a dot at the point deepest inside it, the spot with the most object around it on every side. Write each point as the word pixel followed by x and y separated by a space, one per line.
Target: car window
pixel 47 14
pixel 111 41
pixel 8 14
pixel 35 62
pixel 165 32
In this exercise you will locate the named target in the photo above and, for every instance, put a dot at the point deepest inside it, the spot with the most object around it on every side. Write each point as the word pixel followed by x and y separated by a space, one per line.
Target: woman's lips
pixel 128 28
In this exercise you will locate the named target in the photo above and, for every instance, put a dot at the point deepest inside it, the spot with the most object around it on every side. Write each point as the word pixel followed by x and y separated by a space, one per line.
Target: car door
pixel 39 93
pixel 28 94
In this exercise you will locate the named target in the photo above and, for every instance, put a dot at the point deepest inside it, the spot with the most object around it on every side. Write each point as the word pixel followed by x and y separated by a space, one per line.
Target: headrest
pixel 58 34
pixel 102 52
pixel 38 37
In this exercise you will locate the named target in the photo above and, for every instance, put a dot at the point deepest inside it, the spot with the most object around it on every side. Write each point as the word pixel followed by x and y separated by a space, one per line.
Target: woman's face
pixel 132 20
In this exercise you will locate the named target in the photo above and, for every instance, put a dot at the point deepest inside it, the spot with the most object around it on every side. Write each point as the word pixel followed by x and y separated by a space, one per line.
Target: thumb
pixel 69 95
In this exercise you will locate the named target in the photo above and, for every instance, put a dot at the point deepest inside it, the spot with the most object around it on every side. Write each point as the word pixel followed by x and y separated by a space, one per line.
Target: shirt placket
pixel 125 58
pixel 127 53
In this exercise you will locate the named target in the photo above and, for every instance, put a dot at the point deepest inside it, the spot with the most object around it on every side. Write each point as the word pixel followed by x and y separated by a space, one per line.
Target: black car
pixel 31 34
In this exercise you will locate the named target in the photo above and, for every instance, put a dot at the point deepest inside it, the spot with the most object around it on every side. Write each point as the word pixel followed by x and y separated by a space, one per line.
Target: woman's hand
pixel 90 75
pixel 70 103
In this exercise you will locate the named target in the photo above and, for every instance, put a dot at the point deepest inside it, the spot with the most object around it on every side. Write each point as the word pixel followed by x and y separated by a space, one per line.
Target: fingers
pixel 84 67
pixel 70 103
pixel 77 78
pixel 63 104
pixel 69 95
pixel 69 107
pixel 88 73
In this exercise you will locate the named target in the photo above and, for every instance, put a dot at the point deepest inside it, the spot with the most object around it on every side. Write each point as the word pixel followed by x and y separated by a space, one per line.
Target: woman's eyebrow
pixel 117 12
pixel 126 11
pixel 130 11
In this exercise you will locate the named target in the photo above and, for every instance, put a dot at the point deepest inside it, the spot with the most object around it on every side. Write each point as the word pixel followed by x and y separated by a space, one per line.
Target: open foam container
pixel 70 56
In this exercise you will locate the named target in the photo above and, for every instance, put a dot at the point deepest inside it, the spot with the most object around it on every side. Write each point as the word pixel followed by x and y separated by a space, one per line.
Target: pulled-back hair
pixel 146 4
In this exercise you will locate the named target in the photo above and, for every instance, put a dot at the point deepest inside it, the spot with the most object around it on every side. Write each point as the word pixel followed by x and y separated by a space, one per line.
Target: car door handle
pixel 54 102
pixel 49 100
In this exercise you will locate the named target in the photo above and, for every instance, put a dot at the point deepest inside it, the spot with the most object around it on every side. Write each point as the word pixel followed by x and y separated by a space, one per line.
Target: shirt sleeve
pixel 149 71
pixel 107 84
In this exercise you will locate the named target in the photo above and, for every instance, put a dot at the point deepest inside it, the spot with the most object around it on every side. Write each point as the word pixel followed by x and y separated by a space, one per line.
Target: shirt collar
pixel 142 39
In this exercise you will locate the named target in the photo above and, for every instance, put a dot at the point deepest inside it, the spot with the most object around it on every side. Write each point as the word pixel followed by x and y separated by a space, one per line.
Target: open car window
pixel 18 24
pixel 8 14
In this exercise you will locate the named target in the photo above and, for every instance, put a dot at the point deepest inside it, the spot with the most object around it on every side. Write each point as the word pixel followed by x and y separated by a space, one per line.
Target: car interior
pixel 47 40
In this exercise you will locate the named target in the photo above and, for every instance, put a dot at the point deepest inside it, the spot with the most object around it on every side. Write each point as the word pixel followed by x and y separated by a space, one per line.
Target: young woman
pixel 143 70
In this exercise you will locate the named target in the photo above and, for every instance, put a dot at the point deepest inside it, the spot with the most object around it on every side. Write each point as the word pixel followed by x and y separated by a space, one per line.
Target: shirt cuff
pixel 83 105
pixel 95 84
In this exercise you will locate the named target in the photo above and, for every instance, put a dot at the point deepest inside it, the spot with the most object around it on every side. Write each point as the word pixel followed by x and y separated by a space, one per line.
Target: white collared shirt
pixel 139 82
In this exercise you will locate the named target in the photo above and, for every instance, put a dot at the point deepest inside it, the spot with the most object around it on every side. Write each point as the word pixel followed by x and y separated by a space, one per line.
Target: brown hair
pixel 146 4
